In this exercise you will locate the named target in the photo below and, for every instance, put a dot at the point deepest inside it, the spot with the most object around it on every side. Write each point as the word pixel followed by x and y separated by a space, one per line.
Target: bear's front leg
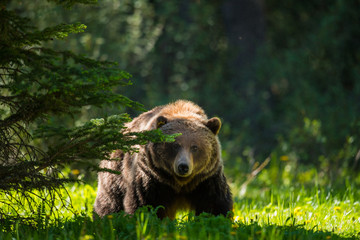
pixel 131 201
pixel 149 192
pixel 158 194
pixel 213 196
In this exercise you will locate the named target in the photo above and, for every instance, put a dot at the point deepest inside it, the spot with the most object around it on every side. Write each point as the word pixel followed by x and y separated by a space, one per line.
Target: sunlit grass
pixel 337 214
pixel 272 213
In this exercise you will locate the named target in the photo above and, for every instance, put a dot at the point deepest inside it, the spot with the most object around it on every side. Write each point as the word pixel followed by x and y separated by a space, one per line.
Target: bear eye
pixel 194 148
pixel 176 146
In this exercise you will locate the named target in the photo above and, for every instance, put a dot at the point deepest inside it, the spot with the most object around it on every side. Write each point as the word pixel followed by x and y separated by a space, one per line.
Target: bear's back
pixel 181 109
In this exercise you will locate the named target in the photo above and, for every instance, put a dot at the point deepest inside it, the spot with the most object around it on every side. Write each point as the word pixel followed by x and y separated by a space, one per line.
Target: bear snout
pixel 183 168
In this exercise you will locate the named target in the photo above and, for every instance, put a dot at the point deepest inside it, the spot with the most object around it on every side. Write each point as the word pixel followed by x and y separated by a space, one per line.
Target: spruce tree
pixel 39 83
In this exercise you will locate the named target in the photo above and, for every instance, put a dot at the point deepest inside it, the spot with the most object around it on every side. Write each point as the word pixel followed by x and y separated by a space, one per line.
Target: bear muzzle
pixel 183 169
pixel 183 166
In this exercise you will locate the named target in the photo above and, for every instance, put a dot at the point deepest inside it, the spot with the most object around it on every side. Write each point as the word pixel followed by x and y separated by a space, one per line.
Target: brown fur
pixel 186 174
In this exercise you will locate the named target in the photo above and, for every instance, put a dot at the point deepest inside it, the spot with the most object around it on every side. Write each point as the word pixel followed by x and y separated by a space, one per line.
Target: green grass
pixel 276 212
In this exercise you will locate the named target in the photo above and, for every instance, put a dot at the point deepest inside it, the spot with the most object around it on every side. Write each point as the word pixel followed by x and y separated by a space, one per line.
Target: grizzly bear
pixel 185 174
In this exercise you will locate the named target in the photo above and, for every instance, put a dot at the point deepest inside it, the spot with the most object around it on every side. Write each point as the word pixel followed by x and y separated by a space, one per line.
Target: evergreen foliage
pixel 38 83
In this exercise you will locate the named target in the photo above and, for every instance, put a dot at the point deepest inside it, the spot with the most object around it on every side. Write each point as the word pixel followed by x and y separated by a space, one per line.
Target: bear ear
pixel 214 124
pixel 161 121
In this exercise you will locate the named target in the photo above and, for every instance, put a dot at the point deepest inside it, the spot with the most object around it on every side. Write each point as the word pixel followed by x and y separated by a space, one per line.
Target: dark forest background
pixel 284 76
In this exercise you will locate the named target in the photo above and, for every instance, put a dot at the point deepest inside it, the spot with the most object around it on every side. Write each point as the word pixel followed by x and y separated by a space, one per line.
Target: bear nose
pixel 183 168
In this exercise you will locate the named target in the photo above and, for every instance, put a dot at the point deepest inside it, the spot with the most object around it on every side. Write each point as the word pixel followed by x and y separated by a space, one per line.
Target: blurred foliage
pixel 299 97
pixel 310 65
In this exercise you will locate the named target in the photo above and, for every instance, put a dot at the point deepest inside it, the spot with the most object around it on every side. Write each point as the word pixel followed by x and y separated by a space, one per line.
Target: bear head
pixel 192 157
